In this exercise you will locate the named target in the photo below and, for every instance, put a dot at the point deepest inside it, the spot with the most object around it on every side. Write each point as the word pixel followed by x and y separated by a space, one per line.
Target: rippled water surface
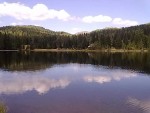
pixel 75 82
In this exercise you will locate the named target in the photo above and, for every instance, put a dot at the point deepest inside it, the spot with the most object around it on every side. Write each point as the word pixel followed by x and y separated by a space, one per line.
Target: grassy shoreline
pixel 79 50
pixel 87 50
pixel 3 108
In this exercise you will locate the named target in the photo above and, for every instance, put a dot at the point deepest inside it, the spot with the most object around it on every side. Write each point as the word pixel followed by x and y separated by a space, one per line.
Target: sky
pixel 74 15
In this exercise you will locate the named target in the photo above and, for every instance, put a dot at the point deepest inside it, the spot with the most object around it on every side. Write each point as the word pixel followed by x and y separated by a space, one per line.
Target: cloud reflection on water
pixel 109 75
pixel 14 83
pixel 58 77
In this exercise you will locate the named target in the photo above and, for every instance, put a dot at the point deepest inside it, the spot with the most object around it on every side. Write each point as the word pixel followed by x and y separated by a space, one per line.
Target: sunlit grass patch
pixel 3 108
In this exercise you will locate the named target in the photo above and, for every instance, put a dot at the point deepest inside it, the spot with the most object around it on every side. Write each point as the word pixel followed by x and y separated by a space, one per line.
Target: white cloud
pixel 119 21
pixel 102 18
pixel 42 12
pixel 96 19
pixel 37 12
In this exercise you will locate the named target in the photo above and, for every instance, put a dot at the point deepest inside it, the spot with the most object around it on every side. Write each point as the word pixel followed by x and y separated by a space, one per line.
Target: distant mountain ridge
pixel 33 28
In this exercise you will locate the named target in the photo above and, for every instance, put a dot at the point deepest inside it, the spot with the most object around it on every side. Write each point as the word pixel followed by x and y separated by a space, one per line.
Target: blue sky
pixel 74 15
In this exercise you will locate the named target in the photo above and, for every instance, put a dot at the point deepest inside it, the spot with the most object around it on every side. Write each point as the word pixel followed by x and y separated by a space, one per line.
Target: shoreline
pixel 87 50
pixel 77 50
pixel 9 50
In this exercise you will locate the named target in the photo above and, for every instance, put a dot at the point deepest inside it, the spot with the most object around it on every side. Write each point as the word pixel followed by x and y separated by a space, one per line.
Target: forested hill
pixel 135 37
pixel 25 30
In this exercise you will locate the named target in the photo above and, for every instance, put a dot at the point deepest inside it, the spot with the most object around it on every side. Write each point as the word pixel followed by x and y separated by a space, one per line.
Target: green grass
pixel 3 108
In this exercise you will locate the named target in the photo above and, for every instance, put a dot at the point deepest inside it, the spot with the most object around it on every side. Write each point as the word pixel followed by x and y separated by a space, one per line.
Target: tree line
pixel 135 37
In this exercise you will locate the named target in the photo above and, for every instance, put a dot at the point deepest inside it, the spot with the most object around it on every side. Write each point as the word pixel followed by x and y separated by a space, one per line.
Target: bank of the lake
pixel 78 50
pixel 88 50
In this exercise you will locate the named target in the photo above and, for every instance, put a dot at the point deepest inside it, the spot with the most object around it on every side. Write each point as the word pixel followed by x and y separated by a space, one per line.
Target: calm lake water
pixel 75 82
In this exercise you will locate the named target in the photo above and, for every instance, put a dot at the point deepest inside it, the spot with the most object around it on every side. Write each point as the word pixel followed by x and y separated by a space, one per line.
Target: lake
pixel 75 82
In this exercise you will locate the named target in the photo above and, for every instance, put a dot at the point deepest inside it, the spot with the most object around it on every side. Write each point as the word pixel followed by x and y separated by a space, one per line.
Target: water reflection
pixel 14 61
pixel 108 75
pixel 19 82
pixel 142 104
pixel 42 81
pixel 75 82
